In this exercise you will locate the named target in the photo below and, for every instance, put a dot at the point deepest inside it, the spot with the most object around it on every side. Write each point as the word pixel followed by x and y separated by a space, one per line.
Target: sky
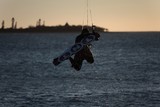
pixel 116 15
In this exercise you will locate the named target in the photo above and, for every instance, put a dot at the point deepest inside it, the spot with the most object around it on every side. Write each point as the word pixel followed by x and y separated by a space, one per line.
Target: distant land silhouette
pixel 46 29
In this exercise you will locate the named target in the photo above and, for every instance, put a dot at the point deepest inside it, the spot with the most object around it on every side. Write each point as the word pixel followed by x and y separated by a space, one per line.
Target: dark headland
pixel 48 29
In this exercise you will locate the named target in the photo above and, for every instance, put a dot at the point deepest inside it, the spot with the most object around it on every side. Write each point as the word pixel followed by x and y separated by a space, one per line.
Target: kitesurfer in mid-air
pixel 85 53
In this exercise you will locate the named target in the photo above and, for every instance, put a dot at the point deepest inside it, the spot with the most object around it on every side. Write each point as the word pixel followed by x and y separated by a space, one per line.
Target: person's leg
pixel 90 60
pixel 88 55
pixel 76 62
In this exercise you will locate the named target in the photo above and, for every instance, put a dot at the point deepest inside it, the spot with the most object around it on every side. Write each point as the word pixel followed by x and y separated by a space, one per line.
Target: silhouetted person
pixel 85 53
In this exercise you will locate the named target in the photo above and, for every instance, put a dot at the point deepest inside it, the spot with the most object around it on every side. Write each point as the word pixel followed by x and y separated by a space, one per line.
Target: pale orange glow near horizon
pixel 116 15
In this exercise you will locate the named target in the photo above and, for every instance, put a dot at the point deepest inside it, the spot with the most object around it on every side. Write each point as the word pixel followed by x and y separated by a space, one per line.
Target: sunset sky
pixel 116 15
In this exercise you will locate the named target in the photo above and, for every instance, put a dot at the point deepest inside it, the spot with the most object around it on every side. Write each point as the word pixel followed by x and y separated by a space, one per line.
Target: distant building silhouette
pixel 15 27
pixel 13 20
pixel 3 24
pixel 38 23
pixel 43 23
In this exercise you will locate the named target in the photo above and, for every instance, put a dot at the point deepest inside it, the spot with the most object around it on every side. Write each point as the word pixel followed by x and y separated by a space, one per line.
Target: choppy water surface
pixel 126 72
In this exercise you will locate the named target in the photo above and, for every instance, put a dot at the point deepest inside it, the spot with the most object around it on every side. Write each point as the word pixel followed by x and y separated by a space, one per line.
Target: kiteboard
pixel 74 49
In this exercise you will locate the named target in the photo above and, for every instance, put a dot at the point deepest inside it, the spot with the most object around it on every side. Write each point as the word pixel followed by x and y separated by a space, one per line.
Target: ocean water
pixel 126 71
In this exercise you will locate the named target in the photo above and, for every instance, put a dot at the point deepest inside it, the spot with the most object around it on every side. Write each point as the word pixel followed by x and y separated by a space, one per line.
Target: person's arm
pixel 97 35
pixel 78 39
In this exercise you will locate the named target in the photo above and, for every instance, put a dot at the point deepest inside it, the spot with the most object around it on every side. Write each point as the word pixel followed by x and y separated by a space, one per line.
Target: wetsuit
pixel 84 54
